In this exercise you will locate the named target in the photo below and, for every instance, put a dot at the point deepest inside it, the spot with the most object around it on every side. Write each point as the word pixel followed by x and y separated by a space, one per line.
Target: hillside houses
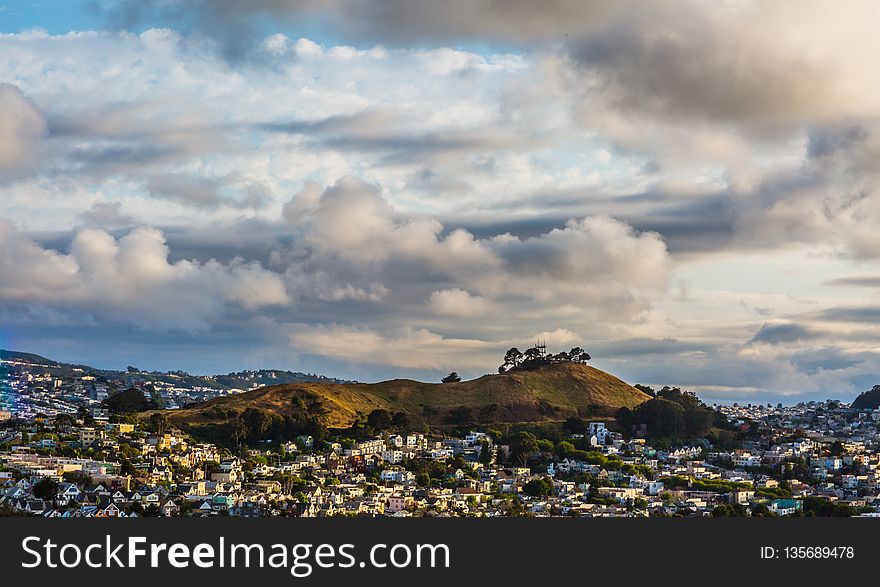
pixel 811 460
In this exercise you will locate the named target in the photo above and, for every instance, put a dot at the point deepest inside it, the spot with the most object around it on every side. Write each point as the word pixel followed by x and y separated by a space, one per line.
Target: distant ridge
pixel 238 380
pixel 26 357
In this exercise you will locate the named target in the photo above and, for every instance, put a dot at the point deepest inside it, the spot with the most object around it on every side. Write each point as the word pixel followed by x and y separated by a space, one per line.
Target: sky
pixel 402 188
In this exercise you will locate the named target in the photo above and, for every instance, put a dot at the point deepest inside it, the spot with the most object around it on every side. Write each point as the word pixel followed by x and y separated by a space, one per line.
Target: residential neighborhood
pixel 32 385
pixel 813 459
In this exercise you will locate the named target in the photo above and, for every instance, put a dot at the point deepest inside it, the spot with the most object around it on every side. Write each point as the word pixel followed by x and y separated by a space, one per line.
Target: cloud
pixel 599 263
pixel 107 215
pixel 726 65
pixel 459 200
pixel 395 21
pixel 22 128
pixel 409 348
pixel 209 193
pixel 783 333
pixel 130 280
pixel 855 281
pixel 858 314
pixel 458 302
pixel 400 138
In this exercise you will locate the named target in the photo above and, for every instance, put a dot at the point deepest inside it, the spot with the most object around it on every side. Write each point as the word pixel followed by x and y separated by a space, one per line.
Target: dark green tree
pixel 46 488
pixel 523 445
pixel 379 420
pixel 451 378
pixel 538 487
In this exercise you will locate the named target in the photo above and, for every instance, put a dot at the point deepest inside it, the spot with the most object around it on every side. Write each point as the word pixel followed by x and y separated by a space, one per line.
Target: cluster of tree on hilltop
pixel 672 414
pixel 537 356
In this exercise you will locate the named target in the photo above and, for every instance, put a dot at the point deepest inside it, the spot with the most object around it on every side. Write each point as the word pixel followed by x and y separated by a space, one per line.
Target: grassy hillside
pixel 550 393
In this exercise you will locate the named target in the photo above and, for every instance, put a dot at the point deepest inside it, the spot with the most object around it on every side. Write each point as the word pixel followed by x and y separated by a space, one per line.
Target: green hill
pixel 549 393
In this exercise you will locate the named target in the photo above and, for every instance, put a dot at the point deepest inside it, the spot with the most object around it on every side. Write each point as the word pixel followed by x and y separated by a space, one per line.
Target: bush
pixel 538 487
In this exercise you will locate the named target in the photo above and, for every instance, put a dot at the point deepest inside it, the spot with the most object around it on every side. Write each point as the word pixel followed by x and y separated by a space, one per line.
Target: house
pixel 67 493
pixel 169 509
pixel 88 436
pixel 398 503
pixel 229 471
pixel 785 507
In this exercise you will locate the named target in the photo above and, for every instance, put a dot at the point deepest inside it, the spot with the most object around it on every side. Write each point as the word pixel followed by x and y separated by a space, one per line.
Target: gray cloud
pixel 858 314
pixel 855 281
pixel 398 139
pixel 208 193
pixel 108 216
pixel 784 333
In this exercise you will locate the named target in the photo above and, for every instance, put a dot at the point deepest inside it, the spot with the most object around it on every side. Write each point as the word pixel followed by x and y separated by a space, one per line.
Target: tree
pixel 578 355
pixel 760 510
pixel 451 378
pixel 65 421
pixel 485 453
pixel 512 359
pixel 575 425
pixel 724 510
pixel 129 401
pixel 524 445
pixel 159 422
pixel 46 488
pixel 663 418
pixel 379 420
pixel 646 389
pixel 400 421
pixel 83 414
pixel 532 357
pixel 538 487
pixel 624 417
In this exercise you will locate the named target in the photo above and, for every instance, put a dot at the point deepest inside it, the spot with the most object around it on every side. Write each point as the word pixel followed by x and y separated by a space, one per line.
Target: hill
pixel 132 376
pixel 25 358
pixel 868 400
pixel 549 393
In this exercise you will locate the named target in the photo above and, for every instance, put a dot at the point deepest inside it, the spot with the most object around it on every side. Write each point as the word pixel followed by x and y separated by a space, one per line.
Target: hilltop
pixel 547 393
pixel 25 358
pixel 868 400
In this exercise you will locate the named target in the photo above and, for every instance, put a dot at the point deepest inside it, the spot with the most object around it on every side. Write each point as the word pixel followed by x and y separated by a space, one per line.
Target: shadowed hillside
pixel 549 393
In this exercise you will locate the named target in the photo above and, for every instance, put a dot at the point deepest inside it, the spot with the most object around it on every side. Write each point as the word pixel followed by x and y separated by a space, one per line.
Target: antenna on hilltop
pixel 541 346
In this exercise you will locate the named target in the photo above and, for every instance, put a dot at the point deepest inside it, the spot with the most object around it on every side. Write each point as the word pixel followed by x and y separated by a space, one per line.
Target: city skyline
pixel 386 189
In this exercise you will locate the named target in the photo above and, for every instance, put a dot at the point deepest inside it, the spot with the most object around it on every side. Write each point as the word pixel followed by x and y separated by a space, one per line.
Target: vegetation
pixel 539 487
pixel 46 488
pixel 673 414
pixel 868 400
pixel 451 378
pixel 129 401
pixel 537 356
pixel 550 393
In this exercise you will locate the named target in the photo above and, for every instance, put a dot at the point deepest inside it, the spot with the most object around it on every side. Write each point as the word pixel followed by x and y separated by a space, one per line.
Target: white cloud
pixel 408 348
pixel 458 302
pixel 130 279
pixel 22 127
